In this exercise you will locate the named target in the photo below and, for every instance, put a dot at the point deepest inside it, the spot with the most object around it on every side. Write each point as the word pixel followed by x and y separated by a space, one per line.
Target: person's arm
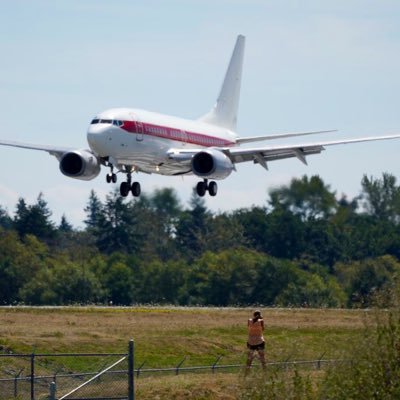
pixel 262 324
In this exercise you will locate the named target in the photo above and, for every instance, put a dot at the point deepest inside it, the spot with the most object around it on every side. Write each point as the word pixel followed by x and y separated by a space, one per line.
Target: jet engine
pixel 80 164
pixel 212 164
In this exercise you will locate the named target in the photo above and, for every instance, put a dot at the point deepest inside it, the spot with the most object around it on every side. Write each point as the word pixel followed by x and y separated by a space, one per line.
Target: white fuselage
pixel 141 140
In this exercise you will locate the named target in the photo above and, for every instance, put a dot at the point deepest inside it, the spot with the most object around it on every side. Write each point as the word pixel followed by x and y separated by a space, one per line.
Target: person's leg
pixel 261 354
pixel 250 358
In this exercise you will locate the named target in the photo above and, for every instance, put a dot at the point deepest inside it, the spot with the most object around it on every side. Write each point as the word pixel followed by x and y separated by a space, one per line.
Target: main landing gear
pixel 128 186
pixel 203 186
pixel 125 187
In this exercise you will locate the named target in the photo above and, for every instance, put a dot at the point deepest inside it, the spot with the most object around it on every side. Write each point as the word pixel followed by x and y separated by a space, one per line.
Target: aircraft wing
pixel 262 155
pixel 242 140
pixel 56 151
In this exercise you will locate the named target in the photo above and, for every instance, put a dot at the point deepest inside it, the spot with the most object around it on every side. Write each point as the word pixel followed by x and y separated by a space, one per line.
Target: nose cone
pixel 103 128
pixel 96 137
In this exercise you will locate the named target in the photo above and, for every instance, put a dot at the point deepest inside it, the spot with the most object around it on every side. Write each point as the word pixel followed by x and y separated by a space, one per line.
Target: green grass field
pixel 164 336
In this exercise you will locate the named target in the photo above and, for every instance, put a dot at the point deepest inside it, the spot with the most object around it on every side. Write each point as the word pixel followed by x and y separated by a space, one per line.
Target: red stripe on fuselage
pixel 178 135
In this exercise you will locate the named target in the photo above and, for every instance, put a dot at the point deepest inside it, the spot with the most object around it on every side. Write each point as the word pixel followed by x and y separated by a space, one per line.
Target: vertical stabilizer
pixel 224 113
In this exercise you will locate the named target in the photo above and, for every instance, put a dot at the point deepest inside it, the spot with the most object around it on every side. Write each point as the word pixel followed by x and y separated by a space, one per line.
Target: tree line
pixel 305 247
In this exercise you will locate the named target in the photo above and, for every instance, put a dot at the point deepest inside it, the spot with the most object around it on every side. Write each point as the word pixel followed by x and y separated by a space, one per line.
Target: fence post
pixel 131 371
pixel 215 363
pixel 286 362
pixel 179 365
pixel 53 389
pixel 140 367
pixel 16 382
pixel 319 361
pixel 101 369
pixel 33 375
pixel 55 375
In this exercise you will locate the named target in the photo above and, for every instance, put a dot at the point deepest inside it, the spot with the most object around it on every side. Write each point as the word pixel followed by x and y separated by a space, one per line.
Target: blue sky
pixel 309 65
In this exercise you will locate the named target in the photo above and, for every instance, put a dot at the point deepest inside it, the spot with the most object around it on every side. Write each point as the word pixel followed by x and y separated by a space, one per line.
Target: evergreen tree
pixel 65 226
pixel 93 211
pixel 21 215
pixel 164 213
pixel 5 220
pixel 117 227
pixel 166 205
pixel 193 228
pixel 34 219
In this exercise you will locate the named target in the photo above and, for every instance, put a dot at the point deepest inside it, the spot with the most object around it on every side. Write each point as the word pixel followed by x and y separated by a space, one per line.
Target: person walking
pixel 255 341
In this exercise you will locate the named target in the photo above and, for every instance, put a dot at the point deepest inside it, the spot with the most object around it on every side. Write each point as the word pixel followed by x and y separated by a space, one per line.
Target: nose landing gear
pixel 111 177
pixel 203 186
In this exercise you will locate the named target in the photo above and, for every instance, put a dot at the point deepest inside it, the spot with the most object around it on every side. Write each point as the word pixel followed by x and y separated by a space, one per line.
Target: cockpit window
pixel 115 122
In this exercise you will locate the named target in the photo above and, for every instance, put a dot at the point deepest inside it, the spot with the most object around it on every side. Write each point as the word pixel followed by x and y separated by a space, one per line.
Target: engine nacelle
pixel 80 164
pixel 213 164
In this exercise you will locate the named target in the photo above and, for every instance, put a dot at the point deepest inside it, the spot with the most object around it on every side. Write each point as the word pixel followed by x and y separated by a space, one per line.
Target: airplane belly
pixel 147 155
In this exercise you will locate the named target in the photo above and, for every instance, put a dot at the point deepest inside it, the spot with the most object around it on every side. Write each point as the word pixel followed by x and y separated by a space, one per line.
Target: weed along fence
pixel 95 376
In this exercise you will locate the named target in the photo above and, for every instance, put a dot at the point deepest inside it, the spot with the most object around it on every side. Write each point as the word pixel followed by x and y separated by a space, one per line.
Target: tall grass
pixel 373 369
pixel 278 385
pixel 370 369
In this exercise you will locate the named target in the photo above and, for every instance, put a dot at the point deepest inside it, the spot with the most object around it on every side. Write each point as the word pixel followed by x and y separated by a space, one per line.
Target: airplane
pixel 133 140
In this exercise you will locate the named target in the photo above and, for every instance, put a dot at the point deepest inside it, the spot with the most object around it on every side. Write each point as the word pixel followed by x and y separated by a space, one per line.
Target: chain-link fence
pixel 67 376
pixel 99 376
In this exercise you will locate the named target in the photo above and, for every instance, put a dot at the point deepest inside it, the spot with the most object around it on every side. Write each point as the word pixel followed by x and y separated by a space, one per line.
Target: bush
pixel 372 371
pixel 278 385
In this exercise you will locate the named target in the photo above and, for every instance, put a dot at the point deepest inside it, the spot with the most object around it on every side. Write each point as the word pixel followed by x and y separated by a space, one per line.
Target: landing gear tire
pixel 136 189
pixel 124 189
pixel 201 188
pixel 213 188
pixel 111 178
pixel 204 186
